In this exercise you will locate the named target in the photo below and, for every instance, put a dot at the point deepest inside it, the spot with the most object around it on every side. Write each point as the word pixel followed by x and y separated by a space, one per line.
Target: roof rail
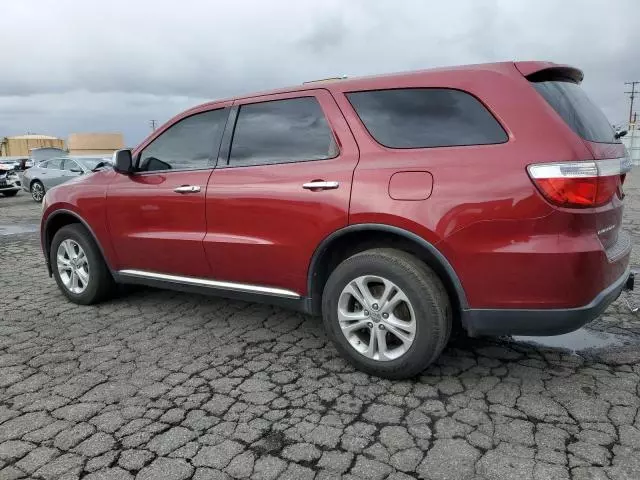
pixel 330 79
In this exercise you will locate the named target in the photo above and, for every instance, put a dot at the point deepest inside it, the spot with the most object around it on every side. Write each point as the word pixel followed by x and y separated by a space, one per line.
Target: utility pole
pixel 152 124
pixel 632 95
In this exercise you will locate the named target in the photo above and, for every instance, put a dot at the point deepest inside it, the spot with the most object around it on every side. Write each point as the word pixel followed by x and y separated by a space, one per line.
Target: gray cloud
pixel 72 65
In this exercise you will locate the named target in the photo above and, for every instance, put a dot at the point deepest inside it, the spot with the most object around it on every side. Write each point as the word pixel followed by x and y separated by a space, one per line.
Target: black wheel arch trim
pixel 46 241
pixel 429 247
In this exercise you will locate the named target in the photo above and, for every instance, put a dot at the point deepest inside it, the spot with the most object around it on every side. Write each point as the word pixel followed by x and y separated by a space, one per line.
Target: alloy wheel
pixel 73 266
pixel 377 318
pixel 37 192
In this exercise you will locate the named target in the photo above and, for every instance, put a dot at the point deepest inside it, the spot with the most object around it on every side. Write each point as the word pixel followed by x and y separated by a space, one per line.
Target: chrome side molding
pixel 203 282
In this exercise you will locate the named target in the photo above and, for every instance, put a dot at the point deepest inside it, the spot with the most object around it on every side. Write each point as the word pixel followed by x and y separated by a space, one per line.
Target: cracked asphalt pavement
pixel 164 385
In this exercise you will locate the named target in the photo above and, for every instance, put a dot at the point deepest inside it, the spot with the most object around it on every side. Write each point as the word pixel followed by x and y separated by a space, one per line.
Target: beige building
pixel 20 145
pixel 94 143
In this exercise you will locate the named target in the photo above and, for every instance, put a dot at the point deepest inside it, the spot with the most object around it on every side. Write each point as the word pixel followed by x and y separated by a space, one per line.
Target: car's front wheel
pixel 387 313
pixel 78 266
pixel 37 191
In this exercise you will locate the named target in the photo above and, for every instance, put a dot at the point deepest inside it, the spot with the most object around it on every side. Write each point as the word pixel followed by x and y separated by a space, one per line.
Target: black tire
pixel 424 290
pixel 35 193
pixel 100 285
pixel 10 194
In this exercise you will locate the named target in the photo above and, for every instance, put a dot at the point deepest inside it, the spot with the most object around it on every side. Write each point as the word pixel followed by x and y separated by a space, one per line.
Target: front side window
pixel 188 144
pixel 426 117
pixel 91 163
pixel 53 164
pixel 70 165
pixel 281 131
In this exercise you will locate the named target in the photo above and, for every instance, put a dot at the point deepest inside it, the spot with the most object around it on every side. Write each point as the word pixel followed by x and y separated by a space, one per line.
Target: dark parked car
pixel 486 198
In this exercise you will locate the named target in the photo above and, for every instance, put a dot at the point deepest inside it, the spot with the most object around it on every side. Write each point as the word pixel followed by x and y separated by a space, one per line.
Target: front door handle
pixel 320 185
pixel 187 189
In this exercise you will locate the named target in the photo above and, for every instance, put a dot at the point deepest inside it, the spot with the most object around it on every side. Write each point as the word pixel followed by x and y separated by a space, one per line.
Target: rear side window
pixel 577 110
pixel 426 117
pixel 281 131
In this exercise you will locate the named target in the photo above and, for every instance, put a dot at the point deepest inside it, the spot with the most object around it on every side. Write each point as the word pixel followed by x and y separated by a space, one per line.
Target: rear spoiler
pixel 540 71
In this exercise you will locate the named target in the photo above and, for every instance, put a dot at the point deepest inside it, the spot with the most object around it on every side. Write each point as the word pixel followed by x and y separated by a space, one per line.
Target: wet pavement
pixel 579 341
pixel 18 229
pixel 158 384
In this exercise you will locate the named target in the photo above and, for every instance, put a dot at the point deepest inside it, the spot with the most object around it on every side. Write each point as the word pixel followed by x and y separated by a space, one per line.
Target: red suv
pixel 483 197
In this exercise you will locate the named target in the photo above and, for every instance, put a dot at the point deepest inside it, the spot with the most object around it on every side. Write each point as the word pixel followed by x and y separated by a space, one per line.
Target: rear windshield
pixel 577 110
pixel 40 154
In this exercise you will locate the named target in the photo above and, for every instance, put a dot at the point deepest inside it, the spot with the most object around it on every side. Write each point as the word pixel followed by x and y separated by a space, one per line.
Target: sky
pixel 112 66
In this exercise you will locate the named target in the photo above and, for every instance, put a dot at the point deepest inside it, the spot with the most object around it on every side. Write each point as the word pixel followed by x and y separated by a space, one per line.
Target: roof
pixel 32 137
pixel 374 82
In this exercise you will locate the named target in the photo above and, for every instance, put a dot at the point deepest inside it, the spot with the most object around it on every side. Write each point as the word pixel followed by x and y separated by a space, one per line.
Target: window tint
pixel 577 110
pixel 187 144
pixel 279 131
pixel 426 117
pixel 55 164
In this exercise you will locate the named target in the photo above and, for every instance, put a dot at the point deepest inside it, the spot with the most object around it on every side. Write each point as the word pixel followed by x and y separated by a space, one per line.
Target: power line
pixel 632 95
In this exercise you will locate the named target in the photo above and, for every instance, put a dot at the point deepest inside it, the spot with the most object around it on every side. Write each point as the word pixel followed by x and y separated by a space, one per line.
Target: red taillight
pixel 580 184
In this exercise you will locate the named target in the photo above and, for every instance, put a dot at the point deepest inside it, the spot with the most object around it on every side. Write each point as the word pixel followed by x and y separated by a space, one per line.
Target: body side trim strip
pixel 203 282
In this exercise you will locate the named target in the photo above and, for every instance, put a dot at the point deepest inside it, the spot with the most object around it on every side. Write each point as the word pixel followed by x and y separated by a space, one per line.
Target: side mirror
pixel 620 133
pixel 75 170
pixel 122 161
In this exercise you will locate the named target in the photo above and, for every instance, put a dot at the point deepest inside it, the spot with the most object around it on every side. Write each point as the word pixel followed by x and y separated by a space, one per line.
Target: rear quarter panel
pixel 485 186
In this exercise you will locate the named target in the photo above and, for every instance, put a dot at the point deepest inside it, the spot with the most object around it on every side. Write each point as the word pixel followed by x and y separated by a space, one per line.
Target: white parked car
pixel 54 171
pixel 9 180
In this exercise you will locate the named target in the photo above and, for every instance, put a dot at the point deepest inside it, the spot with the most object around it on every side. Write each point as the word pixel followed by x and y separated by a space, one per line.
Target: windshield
pixel 577 110
pixel 90 163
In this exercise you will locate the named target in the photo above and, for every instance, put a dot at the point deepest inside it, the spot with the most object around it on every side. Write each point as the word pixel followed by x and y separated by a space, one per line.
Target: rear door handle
pixel 320 185
pixel 187 189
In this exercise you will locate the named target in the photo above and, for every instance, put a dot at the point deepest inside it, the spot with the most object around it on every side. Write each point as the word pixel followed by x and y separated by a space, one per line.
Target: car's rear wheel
pixel 387 313
pixel 78 266
pixel 10 194
pixel 37 191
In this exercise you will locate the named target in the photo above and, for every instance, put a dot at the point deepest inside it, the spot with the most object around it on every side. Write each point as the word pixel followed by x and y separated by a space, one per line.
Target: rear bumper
pixel 542 322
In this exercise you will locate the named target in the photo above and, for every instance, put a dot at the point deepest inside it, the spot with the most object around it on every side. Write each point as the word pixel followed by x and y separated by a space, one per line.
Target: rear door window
pixel 281 131
pixel 577 110
pixel 426 117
